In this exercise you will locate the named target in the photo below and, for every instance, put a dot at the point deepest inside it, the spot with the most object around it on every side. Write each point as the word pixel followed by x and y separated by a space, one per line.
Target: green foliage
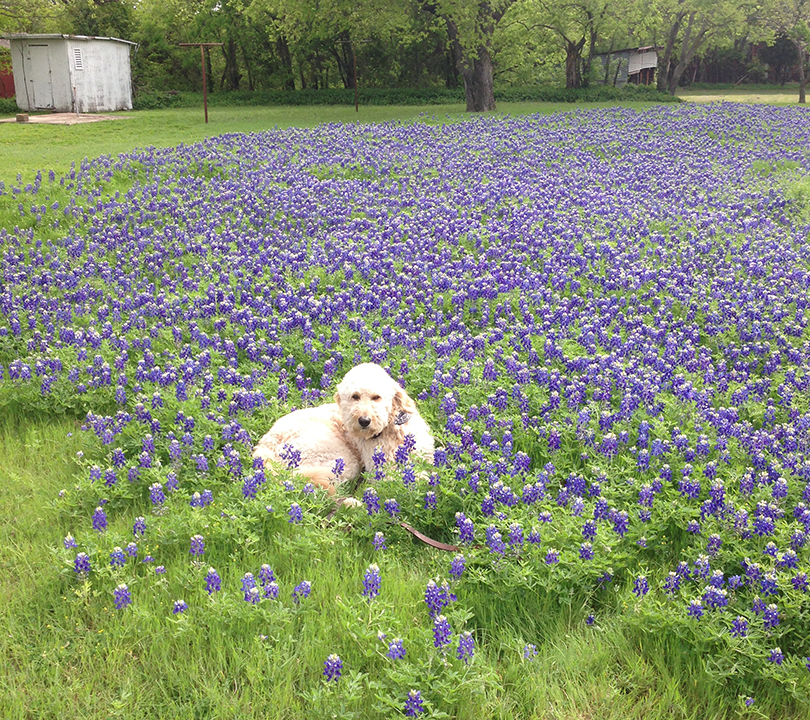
pixel 8 106
pixel 399 96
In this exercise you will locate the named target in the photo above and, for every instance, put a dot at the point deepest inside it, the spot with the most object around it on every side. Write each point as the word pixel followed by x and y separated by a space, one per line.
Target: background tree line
pixel 469 44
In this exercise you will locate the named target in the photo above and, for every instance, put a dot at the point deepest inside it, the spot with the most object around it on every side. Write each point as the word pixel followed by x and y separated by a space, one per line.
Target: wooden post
pixel 202 60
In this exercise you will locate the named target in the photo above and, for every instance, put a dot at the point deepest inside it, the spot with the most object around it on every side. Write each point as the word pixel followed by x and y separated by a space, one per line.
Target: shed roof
pixel 644 49
pixel 54 36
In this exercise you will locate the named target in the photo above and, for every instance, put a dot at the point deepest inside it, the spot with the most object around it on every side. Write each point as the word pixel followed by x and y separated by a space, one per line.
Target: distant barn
pixel 631 65
pixel 71 73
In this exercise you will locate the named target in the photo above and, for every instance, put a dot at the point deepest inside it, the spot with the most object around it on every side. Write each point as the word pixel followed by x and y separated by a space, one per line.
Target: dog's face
pixel 369 400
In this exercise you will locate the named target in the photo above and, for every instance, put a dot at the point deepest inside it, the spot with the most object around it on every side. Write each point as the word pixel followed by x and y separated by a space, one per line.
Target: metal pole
pixel 354 70
pixel 205 88
pixel 202 47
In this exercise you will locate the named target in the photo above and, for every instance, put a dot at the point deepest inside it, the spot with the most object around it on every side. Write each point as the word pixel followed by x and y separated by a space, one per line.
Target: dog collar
pixel 401 419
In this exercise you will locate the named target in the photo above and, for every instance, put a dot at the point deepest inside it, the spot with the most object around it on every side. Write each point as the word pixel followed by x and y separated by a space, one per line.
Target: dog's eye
pixel 356 396
pixel 376 397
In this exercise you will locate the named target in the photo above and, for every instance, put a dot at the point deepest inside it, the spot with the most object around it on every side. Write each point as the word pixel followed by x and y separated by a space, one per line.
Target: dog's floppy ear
pixel 402 403
pixel 337 397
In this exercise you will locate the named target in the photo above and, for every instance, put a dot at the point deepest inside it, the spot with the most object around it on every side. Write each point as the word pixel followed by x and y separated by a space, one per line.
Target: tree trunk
pixel 573 52
pixel 478 86
pixel 344 56
pixel 283 50
pixel 586 65
pixel 802 72
pixel 618 70
pixel 476 72
pixel 665 60
pixel 688 47
pixel 231 75
pixel 607 66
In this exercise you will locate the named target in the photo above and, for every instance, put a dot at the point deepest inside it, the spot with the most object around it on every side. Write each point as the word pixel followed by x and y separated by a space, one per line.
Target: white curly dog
pixel 371 410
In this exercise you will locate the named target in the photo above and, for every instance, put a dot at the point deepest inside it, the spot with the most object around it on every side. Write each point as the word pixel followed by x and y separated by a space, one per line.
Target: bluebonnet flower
pixel 266 574
pixel 695 609
pixel 413 704
pixel 515 534
pixel 378 541
pixel 714 545
pixel 248 582
pixel 117 557
pixel 800 582
pixel 430 500
pixel 99 520
pixel 441 632
pixel 156 494
pixel 495 542
pixel 122 596
pixel 769 584
pixel 586 551
pixel 197 545
pixel 770 616
pixel 466 647
pixel 457 566
pixel 371 501
pixel 739 627
pixel 180 606
pixel 295 513
pixel 396 649
pixel 776 656
pixel 81 564
pixel 437 597
pixel 620 523
pixel 371 582
pixel 301 591
pixel 338 468
pixel 392 507
pixel 530 652
pixel 552 556
pixel 69 542
pixel 332 668
pixel 213 582
pixel 641 586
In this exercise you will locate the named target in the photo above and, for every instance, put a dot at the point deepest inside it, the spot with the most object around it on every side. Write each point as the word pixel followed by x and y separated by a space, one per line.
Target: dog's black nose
pixel 364 421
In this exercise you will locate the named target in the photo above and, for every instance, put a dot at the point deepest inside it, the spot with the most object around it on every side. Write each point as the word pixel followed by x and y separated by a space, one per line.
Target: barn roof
pixel 54 36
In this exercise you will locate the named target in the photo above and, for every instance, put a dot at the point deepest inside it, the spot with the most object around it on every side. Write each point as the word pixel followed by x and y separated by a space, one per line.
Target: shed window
pixel 78 62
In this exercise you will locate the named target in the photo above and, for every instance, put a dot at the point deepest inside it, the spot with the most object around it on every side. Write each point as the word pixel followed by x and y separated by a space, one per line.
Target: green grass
pixel 772 95
pixel 29 148
pixel 58 651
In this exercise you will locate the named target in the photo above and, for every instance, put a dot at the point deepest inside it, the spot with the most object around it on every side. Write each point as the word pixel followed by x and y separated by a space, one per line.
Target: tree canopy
pixel 469 44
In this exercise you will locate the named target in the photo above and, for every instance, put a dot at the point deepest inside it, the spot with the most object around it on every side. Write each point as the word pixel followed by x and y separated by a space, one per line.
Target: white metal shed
pixel 71 73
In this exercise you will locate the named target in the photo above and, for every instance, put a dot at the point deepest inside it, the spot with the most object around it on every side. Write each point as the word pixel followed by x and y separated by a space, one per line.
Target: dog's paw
pixel 350 502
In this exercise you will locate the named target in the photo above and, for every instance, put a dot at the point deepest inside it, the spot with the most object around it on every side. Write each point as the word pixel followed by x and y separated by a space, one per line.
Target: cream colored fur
pixel 323 434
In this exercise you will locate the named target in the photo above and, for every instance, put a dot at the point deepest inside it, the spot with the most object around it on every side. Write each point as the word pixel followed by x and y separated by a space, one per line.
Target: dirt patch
pixel 66 119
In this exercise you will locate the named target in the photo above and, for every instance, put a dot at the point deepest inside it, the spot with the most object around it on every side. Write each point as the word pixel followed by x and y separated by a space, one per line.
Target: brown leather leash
pixel 429 541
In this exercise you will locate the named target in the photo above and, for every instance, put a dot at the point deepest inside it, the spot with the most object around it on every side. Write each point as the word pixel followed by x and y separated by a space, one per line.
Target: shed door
pixel 38 75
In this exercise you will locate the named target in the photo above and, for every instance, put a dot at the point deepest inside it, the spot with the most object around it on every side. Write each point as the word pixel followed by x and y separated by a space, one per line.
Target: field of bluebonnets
pixel 603 315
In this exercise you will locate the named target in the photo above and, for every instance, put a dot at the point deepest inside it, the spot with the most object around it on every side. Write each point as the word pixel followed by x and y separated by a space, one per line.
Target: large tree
pixel 470 28
pixel 791 18
pixel 579 25
pixel 686 26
